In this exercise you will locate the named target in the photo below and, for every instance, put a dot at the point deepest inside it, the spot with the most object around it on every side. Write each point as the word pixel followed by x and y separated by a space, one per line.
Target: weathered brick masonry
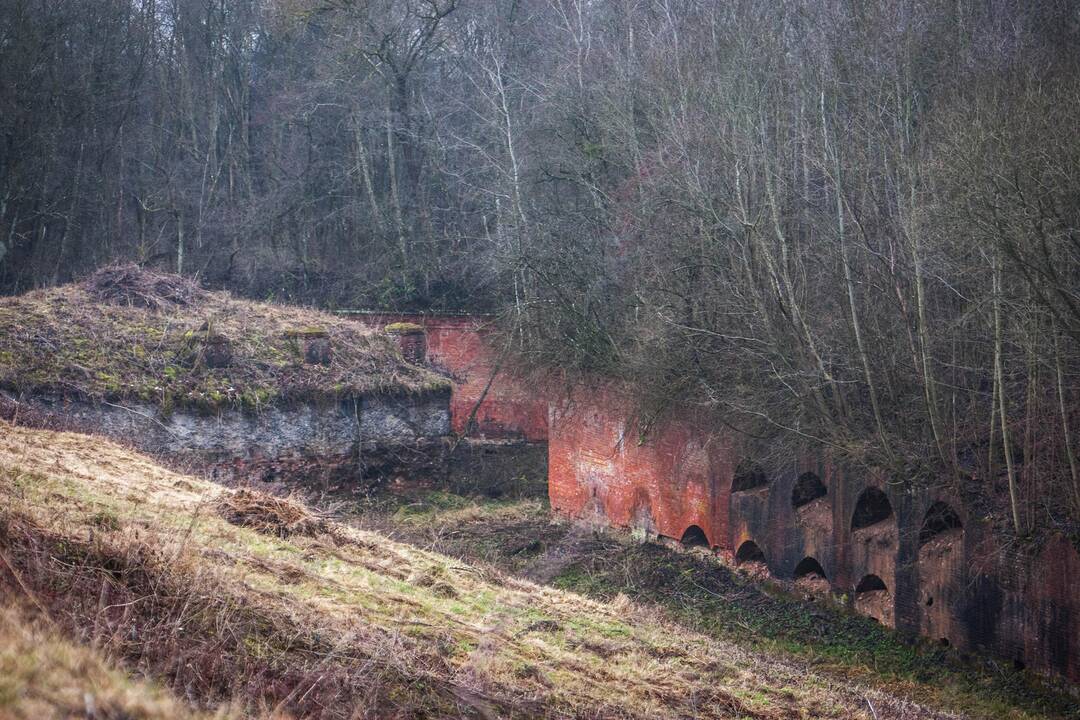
pixel 914 560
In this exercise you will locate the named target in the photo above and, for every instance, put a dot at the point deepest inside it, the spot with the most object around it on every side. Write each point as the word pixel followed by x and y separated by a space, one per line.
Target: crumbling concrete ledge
pixel 317 440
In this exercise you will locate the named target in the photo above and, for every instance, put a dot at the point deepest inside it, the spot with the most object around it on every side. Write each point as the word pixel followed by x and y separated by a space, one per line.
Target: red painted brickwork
pixel 462 347
pixel 598 469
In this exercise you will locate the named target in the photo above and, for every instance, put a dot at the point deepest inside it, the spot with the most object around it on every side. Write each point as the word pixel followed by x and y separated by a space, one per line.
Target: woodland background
pixel 843 223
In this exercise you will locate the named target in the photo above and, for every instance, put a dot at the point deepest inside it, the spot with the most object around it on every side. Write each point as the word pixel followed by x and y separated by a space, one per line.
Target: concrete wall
pixel 314 439
pixel 947 579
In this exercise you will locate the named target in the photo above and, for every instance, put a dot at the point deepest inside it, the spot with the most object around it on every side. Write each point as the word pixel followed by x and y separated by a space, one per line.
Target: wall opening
pixel 694 537
pixel 872 598
pixel 808 488
pixel 810 577
pixel 941 522
pixel 870 583
pixel 872 508
pixel 809 566
pixel 748 476
pixel 749 552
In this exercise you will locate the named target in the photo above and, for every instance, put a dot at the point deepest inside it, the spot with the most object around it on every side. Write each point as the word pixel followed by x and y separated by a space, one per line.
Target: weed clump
pixel 129 284
pixel 283 517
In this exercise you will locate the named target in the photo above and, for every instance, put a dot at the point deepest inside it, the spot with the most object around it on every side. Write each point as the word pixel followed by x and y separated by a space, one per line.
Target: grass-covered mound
pixel 129 333
pixel 258 601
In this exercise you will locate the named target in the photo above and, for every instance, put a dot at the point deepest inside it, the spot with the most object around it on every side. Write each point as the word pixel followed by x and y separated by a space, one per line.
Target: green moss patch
pixel 404 328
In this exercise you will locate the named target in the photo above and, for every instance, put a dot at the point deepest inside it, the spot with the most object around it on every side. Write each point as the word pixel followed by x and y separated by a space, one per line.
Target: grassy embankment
pixel 131 334
pixel 46 676
pixel 700 594
pixel 230 596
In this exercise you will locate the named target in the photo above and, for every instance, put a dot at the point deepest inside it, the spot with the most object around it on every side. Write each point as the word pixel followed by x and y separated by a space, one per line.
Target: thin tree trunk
pixel 1070 454
pixel 395 196
pixel 852 306
pixel 999 375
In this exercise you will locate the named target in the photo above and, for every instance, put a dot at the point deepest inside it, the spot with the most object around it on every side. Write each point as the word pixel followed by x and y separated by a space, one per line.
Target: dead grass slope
pixel 253 599
pixel 127 333
pixel 45 676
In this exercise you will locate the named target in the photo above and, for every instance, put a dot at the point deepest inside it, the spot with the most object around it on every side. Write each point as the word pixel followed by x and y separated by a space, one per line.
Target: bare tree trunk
pixel 395 194
pixel 1070 454
pixel 852 306
pixel 365 173
pixel 999 375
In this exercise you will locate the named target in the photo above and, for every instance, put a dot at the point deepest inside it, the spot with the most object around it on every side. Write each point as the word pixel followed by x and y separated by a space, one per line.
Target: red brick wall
pixel 1022 608
pixel 601 469
pixel 597 468
pixel 463 347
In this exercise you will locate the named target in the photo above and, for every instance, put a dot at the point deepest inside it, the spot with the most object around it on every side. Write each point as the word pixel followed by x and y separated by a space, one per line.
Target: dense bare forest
pixel 850 224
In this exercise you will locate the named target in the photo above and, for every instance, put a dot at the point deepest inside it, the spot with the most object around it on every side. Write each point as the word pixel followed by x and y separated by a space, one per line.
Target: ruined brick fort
pixel 919 561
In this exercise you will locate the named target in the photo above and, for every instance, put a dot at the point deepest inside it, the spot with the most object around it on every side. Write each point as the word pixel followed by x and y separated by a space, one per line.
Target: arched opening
pixel 748 476
pixel 810 577
pixel 749 552
pixel 872 508
pixel 808 488
pixel 694 537
pixel 872 598
pixel 808 566
pixel 940 522
pixel 870 583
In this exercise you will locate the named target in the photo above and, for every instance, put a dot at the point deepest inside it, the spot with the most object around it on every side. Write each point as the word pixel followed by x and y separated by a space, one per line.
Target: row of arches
pixel 872 596
pixel 808 487
pixel 872 507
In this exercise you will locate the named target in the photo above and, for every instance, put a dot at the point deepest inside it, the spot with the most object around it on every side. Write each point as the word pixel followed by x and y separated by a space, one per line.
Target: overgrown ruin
pixel 918 561
pixel 913 560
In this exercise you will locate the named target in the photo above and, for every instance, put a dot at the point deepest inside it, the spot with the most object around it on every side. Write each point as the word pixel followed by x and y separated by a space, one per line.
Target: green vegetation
pixel 133 334
pixel 404 328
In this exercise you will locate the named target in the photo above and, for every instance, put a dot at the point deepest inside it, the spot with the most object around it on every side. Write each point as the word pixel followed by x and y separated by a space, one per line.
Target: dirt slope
pixel 45 676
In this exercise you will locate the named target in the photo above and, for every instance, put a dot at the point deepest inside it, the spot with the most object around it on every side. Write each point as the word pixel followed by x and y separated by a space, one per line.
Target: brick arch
pixel 874 598
pixel 750 551
pixel 694 536
pixel 642 516
pixel 873 550
pixel 938 520
pixel 939 562
pixel 809 566
pixel 871 508
pixel 748 476
pixel 807 489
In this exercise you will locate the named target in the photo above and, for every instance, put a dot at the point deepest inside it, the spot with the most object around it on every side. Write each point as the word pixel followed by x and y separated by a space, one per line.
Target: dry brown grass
pixel 268 514
pixel 126 333
pixel 347 623
pixel 44 676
